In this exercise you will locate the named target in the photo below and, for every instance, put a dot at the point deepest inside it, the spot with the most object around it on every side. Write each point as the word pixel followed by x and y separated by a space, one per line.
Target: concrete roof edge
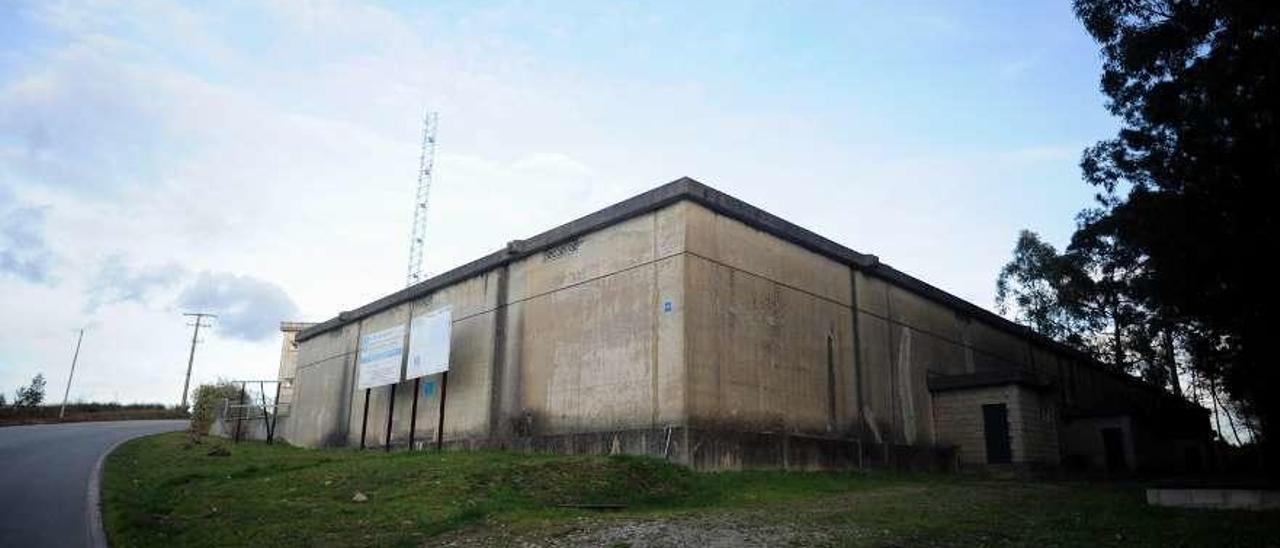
pixel 962 306
pixel 697 192
pixel 646 202
pixel 760 219
pixel 870 264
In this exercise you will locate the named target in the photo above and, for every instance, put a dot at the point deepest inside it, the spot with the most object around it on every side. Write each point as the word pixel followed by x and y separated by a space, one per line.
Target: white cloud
pixel 24 253
pixel 273 149
pixel 247 308
pixel 118 282
pixel 84 121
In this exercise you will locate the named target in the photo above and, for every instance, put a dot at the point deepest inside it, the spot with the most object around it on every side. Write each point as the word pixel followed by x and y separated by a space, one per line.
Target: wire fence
pixel 258 400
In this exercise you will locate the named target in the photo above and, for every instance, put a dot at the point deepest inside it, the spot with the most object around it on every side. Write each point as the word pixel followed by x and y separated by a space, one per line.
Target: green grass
pixel 161 491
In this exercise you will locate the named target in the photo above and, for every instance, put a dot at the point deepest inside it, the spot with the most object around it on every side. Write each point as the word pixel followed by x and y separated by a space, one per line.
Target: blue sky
pixel 259 157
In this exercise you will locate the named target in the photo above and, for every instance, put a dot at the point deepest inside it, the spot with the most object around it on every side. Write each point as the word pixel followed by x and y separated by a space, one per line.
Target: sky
pixel 258 159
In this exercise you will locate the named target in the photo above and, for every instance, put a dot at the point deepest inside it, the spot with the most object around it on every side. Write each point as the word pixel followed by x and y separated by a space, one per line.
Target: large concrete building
pixel 687 324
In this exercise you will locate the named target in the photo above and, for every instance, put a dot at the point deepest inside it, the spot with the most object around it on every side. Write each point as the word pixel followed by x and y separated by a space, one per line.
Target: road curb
pixel 97 534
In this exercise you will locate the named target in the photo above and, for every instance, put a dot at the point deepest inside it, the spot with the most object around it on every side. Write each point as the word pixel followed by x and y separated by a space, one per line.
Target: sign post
pixel 429 341
pixel 391 408
pixel 444 389
pixel 381 355
pixel 382 359
pixel 364 421
pixel 413 413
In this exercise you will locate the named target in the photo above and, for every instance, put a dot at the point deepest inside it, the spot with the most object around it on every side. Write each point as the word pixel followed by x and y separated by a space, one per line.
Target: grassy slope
pixel 160 492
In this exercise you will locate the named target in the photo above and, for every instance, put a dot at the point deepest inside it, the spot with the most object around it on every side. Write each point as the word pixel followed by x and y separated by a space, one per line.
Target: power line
pixel 418 233
pixel 199 322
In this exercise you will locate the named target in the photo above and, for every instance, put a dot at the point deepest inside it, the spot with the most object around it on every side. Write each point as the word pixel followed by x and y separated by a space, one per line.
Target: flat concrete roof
pixel 686 188
pixel 295 326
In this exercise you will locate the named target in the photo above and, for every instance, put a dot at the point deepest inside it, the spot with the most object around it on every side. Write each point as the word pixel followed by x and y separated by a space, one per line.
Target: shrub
pixel 33 395
pixel 208 399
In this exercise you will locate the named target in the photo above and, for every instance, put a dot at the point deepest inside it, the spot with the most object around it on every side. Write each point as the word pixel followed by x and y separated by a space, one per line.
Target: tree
pixel 2 401
pixel 1083 297
pixel 1144 335
pixel 31 395
pixel 1049 292
pixel 1188 183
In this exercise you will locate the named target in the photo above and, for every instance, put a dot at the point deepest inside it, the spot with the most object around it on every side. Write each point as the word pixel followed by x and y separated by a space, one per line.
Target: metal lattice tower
pixel 426 162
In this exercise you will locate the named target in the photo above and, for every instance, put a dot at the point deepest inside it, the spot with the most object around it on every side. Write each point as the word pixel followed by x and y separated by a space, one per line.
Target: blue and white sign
pixel 429 337
pixel 380 356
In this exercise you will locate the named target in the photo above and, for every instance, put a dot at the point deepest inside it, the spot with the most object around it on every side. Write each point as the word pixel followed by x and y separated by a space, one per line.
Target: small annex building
pixel 687 324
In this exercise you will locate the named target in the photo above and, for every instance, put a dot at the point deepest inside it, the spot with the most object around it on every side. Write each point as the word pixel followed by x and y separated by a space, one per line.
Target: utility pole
pixel 62 412
pixel 199 322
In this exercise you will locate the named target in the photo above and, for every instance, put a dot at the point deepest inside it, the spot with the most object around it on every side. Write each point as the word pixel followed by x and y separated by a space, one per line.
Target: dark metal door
pixel 1113 443
pixel 995 426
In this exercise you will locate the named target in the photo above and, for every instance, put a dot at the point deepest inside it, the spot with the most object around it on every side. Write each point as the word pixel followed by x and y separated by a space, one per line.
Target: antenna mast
pixel 418 235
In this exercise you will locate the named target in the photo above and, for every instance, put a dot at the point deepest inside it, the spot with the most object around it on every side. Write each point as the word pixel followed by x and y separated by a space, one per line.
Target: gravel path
pixel 728 529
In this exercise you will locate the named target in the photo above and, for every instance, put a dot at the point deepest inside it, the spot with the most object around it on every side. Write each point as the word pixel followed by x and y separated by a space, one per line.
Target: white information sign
pixel 380 355
pixel 429 344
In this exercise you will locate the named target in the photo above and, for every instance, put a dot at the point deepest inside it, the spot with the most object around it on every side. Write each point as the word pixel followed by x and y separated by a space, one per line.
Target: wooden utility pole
pixel 191 358
pixel 62 412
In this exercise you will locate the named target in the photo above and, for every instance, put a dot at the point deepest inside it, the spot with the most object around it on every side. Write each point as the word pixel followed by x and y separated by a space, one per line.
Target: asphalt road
pixel 44 478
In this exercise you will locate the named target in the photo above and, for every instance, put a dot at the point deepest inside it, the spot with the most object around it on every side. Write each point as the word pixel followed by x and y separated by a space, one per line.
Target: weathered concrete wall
pixel 922 340
pixel 769 333
pixel 1033 434
pixel 765 357
pixel 904 339
pixel 959 420
pixel 589 319
pixel 467 402
pixel 322 389
pixel 585 337
pixel 746 304
pixel 736 331
pixel 1083 440
pixel 288 360
pixel 1034 422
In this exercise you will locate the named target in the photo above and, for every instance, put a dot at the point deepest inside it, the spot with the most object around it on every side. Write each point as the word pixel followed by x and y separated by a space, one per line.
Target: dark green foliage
pixel 1054 294
pixel 31 395
pixel 1188 184
pixel 1186 218
pixel 1085 298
